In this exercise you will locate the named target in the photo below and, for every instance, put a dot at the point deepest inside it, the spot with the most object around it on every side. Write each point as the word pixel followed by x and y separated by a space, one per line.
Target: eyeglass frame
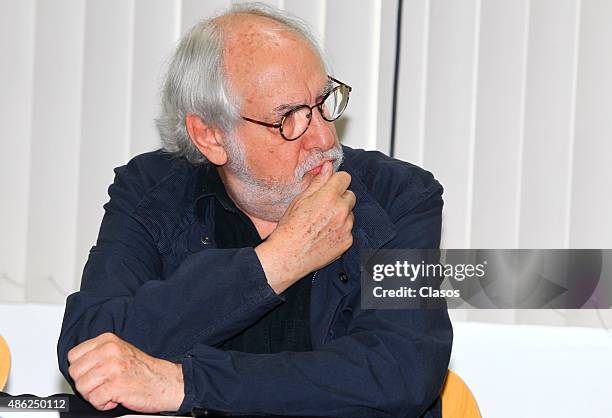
pixel 319 106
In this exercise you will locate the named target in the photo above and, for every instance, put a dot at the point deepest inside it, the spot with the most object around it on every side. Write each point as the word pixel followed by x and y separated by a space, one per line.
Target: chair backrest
pixel 457 399
pixel 5 362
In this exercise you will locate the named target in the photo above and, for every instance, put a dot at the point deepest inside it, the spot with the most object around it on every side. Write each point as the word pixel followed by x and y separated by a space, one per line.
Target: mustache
pixel 335 154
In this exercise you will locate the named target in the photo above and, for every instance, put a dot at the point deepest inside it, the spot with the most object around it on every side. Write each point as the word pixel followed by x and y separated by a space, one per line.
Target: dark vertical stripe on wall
pixel 398 40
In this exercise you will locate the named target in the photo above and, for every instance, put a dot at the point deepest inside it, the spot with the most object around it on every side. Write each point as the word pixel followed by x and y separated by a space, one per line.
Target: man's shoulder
pixel 152 168
pixel 155 178
pixel 388 179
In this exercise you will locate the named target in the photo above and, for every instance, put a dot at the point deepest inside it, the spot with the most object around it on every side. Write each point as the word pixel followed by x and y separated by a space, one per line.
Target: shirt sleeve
pixel 212 295
pixel 391 363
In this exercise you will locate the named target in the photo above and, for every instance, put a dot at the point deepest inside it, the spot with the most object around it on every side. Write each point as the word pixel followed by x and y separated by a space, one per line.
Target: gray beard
pixel 265 199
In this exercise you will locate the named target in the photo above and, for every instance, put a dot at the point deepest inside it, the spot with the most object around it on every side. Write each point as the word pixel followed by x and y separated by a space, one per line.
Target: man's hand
pixel 108 371
pixel 315 230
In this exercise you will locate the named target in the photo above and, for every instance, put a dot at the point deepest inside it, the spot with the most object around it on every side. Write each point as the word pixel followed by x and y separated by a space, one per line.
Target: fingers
pixel 91 367
pixel 102 398
pixel 84 364
pixel 93 352
pixel 338 183
pixel 86 346
pixel 91 380
pixel 350 220
pixel 350 198
pixel 108 371
pixel 320 179
pixel 109 405
pixel 328 180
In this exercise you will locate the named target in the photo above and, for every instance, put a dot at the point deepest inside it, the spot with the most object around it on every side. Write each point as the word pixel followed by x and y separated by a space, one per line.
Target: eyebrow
pixel 329 86
pixel 285 108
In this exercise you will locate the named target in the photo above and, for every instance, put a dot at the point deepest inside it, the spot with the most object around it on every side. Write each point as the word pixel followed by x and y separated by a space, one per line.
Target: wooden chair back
pixel 5 362
pixel 457 399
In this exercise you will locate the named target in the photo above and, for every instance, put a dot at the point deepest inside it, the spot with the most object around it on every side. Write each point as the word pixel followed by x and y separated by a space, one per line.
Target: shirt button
pixel 188 356
pixel 205 240
pixel 343 277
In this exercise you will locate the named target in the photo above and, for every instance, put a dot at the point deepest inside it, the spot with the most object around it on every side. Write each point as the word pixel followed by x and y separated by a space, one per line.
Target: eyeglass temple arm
pixel 340 82
pixel 269 125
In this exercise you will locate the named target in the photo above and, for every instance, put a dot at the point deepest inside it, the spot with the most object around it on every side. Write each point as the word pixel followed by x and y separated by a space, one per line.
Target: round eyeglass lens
pixel 295 123
pixel 335 104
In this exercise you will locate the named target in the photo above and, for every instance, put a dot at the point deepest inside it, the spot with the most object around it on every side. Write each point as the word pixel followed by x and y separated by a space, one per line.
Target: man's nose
pixel 320 133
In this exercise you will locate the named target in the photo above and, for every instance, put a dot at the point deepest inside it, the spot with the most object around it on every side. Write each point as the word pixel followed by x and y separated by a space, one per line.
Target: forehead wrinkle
pixel 252 45
pixel 287 107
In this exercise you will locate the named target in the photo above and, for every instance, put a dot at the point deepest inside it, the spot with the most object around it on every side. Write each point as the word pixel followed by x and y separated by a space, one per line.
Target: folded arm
pixel 122 290
pixel 390 362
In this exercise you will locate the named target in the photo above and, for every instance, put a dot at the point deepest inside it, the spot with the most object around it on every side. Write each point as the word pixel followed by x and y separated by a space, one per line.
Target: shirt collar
pixel 372 223
pixel 211 185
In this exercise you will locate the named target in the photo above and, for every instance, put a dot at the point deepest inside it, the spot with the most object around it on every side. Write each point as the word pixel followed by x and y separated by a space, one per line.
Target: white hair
pixel 196 82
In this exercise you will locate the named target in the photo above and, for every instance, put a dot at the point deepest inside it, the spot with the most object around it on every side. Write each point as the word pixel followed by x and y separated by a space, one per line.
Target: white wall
pixel 31 331
pixel 531 371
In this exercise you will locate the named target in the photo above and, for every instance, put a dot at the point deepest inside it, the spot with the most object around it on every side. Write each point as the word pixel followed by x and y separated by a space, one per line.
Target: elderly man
pixel 226 271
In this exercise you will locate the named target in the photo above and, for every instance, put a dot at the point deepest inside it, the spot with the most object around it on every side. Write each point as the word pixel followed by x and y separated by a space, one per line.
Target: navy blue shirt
pixel 159 278
pixel 285 327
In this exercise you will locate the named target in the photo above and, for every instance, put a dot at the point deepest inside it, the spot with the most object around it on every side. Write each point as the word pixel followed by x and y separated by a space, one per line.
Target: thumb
pixel 320 179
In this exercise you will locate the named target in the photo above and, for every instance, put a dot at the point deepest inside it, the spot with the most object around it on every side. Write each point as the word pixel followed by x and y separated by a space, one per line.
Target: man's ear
pixel 206 138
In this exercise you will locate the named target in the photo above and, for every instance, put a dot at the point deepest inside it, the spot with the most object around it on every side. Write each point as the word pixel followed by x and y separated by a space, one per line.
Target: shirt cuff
pixel 189 401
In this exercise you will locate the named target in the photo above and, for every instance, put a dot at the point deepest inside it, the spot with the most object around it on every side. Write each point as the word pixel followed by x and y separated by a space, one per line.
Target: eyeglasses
pixel 295 122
